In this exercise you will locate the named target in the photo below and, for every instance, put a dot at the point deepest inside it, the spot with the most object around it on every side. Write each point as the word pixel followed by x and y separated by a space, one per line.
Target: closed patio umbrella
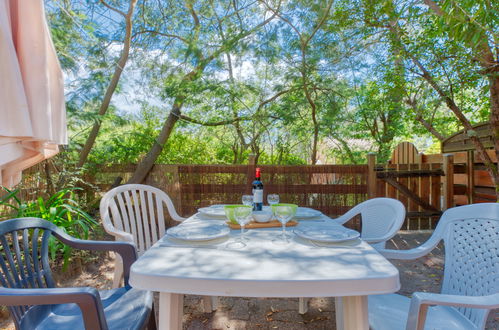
pixel 32 108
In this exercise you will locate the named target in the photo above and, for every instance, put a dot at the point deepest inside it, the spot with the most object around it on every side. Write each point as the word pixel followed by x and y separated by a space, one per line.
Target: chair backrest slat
pixel 35 256
pixel 146 221
pixel 19 259
pixel 7 279
pixel 49 282
pixel 152 217
pixel 139 220
pixel 15 278
pixel 28 259
pixel 116 216
pixel 131 215
pixel 160 216
pixel 124 215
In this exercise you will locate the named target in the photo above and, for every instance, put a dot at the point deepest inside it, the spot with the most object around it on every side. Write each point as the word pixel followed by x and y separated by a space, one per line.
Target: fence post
pixel 250 176
pixel 470 171
pixel 448 181
pixel 177 190
pixel 371 175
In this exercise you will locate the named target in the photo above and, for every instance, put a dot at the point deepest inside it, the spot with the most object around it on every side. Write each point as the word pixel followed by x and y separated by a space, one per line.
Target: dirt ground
pixel 423 274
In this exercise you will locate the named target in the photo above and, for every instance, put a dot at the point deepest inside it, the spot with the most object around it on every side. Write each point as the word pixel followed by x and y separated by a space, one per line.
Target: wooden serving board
pixel 254 224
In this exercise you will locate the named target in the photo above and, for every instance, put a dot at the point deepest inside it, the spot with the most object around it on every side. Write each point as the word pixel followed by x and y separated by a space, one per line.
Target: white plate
pixel 198 231
pixel 218 206
pixel 327 234
pixel 305 212
pixel 212 211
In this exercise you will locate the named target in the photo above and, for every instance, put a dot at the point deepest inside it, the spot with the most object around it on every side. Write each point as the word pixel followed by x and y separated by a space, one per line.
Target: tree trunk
pixel 494 122
pixel 147 163
pixel 50 185
pixel 485 55
pixel 118 70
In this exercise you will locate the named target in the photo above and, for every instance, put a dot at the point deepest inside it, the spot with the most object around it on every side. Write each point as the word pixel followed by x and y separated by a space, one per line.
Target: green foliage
pixel 357 68
pixel 61 209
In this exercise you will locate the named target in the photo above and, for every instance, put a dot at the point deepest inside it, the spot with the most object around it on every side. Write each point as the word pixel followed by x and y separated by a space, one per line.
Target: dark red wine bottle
pixel 257 192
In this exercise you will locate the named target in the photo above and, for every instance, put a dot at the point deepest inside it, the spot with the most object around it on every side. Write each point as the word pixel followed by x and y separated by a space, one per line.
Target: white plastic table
pixel 263 269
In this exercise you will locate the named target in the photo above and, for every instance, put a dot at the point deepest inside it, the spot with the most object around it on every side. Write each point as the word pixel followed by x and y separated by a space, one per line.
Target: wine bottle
pixel 257 192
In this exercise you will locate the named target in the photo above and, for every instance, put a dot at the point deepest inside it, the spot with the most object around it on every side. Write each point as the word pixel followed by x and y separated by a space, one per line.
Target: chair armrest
pixel 414 253
pixel 422 300
pixel 118 234
pixel 378 239
pixel 426 298
pixel 111 230
pixel 126 250
pixel 88 299
pixel 342 219
pixel 174 215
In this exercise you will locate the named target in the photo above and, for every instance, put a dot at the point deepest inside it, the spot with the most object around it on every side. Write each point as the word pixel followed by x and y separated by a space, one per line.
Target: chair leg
pixel 214 303
pixel 302 305
pixel 210 304
pixel 118 271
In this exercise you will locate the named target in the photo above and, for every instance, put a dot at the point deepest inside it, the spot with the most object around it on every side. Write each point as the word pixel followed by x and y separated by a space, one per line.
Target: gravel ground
pixel 423 274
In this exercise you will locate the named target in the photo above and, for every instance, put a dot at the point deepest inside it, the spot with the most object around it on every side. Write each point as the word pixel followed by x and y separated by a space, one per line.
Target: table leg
pixel 171 310
pixel 351 313
pixel 302 305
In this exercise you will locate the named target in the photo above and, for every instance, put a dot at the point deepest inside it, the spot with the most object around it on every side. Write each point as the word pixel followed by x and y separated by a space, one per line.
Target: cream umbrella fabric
pixel 32 108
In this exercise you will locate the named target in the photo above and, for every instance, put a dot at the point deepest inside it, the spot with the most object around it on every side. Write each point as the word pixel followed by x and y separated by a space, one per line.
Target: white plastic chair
pixel 381 220
pixel 134 213
pixel 470 287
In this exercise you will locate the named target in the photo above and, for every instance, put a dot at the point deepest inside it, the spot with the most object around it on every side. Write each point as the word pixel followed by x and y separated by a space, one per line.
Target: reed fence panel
pixel 415 179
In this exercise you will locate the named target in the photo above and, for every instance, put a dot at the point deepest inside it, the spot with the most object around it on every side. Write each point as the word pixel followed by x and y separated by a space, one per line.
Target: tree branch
pixel 169 35
pixel 226 46
pixel 419 117
pixel 433 6
pixel 274 97
pixel 112 8
pixel 321 21
pixel 217 123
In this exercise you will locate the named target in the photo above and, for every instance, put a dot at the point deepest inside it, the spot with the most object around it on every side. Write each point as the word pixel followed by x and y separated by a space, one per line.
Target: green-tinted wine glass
pixel 243 216
pixel 283 214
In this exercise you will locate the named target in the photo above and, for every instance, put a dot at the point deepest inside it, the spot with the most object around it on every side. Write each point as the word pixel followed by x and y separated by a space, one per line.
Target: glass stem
pixel 242 233
pixel 284 231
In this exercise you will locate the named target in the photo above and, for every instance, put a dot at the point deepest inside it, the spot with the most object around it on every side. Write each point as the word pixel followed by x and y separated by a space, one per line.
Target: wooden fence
pixel 426 184
pixel 332 189
pixel 422 184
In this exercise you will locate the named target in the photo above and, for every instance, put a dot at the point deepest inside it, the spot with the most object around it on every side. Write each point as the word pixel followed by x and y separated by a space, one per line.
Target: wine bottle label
pixel 257 196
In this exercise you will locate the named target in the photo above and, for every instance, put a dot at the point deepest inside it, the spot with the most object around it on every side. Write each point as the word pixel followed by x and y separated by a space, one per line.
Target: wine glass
pixel 272 199
pixel 283 214
pixel 242 215
pixel 247 200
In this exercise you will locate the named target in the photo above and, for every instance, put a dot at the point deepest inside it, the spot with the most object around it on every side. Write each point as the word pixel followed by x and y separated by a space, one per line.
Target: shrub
pixel 61 209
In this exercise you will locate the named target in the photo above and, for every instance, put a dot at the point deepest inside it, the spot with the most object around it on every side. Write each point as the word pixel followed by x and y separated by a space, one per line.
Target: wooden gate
pixel 424 188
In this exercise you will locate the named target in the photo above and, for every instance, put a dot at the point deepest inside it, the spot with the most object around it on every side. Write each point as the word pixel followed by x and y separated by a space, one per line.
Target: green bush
pixel 61 209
